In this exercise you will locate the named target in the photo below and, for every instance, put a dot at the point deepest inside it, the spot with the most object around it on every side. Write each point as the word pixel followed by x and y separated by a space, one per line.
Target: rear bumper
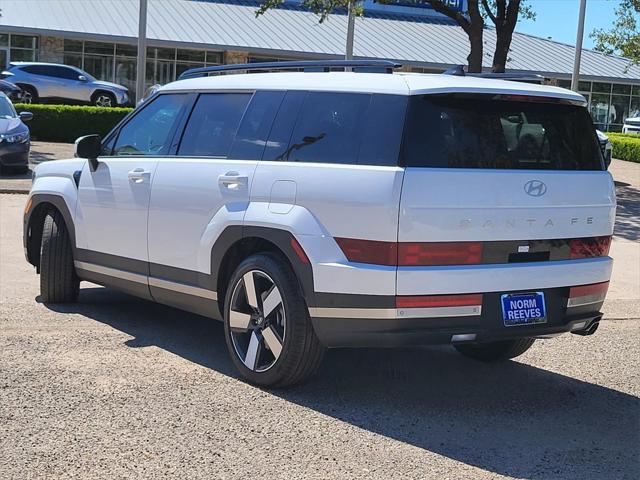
pixel 14 154
pixel 357 330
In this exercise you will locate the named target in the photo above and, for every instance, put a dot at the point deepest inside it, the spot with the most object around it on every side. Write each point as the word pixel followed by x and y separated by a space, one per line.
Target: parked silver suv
pixel 51 81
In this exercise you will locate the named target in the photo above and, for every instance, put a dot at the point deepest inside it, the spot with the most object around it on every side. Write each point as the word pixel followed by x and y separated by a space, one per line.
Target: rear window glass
pixel 458 132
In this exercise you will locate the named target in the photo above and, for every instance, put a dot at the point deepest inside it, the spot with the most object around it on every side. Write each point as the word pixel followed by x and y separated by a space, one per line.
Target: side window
pixel 329 128
pixel 382 130
pixel 150 131
pixel 280 135
pixel 253 132
pixel 213 124
pixel 63 72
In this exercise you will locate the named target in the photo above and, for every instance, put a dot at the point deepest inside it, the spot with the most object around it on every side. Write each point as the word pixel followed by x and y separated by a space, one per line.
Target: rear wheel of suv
pixel 58 280
pixel 267 326
pixel 495 351
pixel 103 99
pixel 28 94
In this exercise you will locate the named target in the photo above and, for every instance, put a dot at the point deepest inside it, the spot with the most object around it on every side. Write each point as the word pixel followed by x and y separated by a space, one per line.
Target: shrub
pixel 65 123
pixel 625 147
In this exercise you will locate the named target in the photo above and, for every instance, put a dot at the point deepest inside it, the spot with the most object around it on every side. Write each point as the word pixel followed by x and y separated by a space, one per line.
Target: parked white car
pixel 631 126
pixel 339 209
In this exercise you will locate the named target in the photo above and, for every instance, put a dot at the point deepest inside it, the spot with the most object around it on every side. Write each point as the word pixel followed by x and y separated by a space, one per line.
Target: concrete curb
pixel 16 191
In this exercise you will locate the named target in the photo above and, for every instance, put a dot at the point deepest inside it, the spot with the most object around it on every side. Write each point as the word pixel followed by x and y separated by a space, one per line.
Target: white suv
pixel 339 209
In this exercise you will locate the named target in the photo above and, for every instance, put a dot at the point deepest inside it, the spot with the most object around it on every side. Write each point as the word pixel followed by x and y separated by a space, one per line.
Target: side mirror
pixel 26 116
pixel 89 147
pixel 82 78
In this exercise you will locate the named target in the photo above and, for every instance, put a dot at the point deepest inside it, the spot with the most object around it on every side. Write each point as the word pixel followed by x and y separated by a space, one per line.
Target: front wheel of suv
pixel 267 326
pixel 495 351
pixel 58 280
pixel 103 99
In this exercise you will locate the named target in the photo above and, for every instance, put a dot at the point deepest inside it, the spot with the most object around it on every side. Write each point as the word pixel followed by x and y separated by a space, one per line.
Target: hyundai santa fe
pixel 317 209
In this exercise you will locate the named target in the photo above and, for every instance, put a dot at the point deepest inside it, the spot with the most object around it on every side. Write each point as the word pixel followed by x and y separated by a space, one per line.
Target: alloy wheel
pixel 103 101
pixel 257 321
pixel 26 97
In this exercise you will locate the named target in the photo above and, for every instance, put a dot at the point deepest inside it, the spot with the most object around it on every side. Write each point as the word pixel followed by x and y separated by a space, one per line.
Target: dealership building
pixel 99 36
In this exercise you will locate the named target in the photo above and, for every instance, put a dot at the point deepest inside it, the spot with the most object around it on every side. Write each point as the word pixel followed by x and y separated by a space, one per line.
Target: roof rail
pixel 458 71
pixel 323 65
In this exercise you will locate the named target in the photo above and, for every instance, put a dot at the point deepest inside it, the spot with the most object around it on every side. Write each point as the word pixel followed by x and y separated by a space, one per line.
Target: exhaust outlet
pixel 590 330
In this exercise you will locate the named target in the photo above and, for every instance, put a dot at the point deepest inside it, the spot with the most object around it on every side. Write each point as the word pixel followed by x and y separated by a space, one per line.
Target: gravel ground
pixel 116 387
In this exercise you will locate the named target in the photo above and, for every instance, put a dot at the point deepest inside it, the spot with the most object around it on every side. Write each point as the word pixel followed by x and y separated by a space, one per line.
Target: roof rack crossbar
pixel 323 65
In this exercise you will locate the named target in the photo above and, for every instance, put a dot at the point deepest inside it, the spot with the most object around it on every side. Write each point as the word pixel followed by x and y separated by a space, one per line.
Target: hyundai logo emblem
pixel 535 188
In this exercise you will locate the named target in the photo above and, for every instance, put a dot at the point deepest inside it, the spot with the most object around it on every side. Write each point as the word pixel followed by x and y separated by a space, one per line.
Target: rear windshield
pixel 459 132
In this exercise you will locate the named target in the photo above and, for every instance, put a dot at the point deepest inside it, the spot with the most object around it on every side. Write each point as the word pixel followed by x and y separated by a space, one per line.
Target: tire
pixel 58 280
pixel 103 99
pixel 277 349
pixel 29 94
pixel 495 351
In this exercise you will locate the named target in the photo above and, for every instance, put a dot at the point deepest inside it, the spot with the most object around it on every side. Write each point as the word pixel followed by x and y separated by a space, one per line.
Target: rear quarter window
pixel 480 132
pixel 338 128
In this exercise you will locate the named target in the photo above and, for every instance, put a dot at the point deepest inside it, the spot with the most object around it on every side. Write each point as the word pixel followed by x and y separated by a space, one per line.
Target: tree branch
pixel 487 9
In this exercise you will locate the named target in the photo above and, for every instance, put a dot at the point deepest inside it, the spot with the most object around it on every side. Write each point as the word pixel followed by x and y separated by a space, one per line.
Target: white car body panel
pixel 113 208
pixel 190 208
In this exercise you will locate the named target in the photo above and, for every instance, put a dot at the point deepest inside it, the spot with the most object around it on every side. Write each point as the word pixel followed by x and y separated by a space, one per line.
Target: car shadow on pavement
pixel 510 418
pixel 628 213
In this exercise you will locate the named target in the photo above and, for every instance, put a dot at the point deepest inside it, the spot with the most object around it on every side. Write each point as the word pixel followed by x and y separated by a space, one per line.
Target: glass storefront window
pixel 73 59
pixel 634 111
pixel 23 55
pixel 601 87
pixel 4 40
pixel 98 48
pixel 125 73
pixel 619 109
pixel 600 110
pixel 126 50
pixel 621 89
pixel 72 45
pixel 583 86
pixel 24 41
pixel 195 56
pixel 99 66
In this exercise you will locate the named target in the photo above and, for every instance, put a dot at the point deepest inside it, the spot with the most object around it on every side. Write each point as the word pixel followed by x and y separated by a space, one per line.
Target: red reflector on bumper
pixel 430 301
pixel 369 251
pixel 446 253
pixel 585 290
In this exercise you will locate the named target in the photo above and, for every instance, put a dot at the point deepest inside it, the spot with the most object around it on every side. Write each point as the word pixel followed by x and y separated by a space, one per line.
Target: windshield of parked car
pixel 6 108
pixel 481 132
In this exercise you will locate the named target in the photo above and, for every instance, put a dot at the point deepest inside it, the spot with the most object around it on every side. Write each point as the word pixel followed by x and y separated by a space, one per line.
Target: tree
pixel 624 36
pixel 502 13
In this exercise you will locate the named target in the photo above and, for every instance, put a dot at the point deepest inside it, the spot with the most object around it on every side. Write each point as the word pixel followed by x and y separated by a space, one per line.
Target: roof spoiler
pixel 459 71
pixel 384 66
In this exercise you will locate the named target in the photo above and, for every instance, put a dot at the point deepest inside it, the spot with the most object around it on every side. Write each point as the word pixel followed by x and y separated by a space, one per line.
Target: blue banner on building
pixel 454 4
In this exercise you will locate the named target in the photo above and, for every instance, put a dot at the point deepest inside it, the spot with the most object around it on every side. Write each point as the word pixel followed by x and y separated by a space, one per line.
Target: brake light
pixel 590 247
pixel 432 301
pixel 450 253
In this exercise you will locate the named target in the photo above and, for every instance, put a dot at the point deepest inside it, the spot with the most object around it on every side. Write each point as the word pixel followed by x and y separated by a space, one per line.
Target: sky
pixel 558 19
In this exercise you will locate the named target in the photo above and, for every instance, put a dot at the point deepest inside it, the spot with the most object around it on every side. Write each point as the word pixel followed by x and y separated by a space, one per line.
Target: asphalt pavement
pixel 117 387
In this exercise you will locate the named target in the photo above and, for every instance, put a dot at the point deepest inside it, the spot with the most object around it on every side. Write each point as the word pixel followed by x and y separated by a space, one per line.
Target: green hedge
pixel 625 147
pixel 65 123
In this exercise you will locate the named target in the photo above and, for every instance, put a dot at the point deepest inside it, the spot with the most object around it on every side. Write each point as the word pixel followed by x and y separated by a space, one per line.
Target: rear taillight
pixel 369 251
pixel 586 294
pixel 590 247
pixel 432 301
pixel 449 253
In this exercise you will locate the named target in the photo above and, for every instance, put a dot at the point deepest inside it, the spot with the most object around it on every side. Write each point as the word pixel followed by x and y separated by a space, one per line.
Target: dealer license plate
pixel 523 309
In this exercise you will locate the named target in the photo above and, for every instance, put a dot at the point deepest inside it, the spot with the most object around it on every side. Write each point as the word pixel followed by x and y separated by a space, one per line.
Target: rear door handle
pixel 232 180
pixel 138 175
